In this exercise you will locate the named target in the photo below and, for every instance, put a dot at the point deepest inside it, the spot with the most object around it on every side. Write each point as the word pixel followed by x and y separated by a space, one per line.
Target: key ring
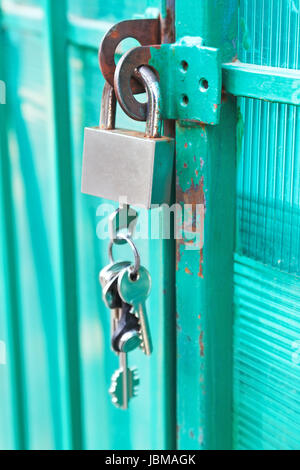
pixel 137 260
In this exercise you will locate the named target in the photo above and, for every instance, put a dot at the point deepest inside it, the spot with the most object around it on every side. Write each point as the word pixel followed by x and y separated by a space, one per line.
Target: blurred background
pixel 56 362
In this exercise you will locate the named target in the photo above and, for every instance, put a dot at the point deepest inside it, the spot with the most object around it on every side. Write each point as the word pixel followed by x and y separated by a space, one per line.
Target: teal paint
pixel 52 317
pixel 266 295
pixel 196 91
pixel 204 276
pixel 261 82
pixel 14 434
pixel 61 382
pixel 266 357
pixel 143 426
pixel 56 51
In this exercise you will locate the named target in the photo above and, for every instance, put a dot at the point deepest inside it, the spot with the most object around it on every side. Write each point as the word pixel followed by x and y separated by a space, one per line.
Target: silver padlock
pixel 121 164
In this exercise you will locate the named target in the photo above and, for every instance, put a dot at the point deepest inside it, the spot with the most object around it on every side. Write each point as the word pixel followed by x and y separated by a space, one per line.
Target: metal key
pixel 134 291
pixel 124 384
pixel 107 278
pixel 124 380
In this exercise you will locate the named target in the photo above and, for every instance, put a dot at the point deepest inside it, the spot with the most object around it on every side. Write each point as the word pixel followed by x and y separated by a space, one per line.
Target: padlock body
pixel 120 163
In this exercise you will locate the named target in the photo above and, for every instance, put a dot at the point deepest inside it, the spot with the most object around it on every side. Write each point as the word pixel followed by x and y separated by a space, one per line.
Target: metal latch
pixel 190 74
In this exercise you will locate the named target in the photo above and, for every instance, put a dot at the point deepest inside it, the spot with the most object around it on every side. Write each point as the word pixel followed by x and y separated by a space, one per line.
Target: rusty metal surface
pixel 108 107
pixel 167 22
pixel 146 31
pixel 125 70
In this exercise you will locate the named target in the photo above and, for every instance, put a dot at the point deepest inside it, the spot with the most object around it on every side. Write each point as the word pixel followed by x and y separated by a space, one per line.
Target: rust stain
pixel 192 435
pixel 201 344
pixel 203 126
pixel 115 33
pixel 200 273
pixel 179 244
pixel 192 196
pixel 185 165
pixel 167 26
pixel 196 172
pixel 186 145
pixel 188 271
pixel 215 106
pixel 224 96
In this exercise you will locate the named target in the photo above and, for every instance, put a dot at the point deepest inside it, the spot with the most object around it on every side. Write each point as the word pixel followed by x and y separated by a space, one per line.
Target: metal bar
pixel 55 14
pixel 205 164
pixel 264 83
pixel 15 344
pixel 169 251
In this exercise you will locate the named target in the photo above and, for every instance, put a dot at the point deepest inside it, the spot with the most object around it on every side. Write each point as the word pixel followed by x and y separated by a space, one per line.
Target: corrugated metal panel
pixel 267 323
pixel 266 357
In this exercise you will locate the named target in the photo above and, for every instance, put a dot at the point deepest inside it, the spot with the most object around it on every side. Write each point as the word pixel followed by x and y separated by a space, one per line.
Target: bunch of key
pixel 125 289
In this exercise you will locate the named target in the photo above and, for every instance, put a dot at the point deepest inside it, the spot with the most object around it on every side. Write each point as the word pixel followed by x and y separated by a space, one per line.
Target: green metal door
pixel 230 376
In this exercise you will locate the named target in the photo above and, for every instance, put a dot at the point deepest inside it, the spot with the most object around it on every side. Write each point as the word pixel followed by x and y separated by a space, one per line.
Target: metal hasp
pixel 146 31
pixel 189 74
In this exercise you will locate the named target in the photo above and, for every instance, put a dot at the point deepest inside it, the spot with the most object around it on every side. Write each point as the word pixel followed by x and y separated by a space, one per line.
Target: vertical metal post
pixel 16 369
pixel 56 41
pixel 169 366
pixel 205 166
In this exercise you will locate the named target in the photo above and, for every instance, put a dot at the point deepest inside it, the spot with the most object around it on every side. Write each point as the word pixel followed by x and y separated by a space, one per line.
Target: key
pixel 124 384
pixel 125 336
pixel 110 271
pixel 135 292
pixel 107 278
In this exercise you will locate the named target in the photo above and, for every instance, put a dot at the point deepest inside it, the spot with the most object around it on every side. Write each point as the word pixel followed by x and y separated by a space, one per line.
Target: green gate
pixel 225 318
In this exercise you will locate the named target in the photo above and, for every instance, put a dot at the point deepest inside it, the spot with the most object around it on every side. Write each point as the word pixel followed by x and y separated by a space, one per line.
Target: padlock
pixel 127 165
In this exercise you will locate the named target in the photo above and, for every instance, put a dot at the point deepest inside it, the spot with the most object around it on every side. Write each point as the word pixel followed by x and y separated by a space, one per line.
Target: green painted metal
pixel 261 82
pixel 55 326
pixel 266 357
pixel 267 323
pixel 56 53
pixel 194 72
pixel 205 175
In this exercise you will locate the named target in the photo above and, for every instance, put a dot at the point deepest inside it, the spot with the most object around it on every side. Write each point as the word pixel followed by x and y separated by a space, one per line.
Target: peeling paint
pixel 201 344
pixel 193 196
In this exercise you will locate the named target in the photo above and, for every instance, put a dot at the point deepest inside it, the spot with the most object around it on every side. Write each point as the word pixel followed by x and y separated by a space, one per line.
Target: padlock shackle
pixel 150 81
pixel 108 108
